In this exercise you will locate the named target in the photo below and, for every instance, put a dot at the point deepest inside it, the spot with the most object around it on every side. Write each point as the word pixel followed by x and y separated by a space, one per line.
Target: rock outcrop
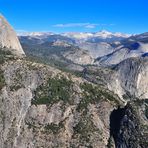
pixel 78 56
pixel 8 38
pixel 129 125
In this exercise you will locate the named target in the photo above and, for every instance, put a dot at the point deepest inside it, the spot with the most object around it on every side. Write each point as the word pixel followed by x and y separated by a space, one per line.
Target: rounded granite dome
pixel 8 38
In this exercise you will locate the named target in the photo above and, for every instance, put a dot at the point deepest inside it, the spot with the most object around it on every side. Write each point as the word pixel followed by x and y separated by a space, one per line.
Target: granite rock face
pixel 8 38
pixel 79 57
pixel 128 80
pixel 131 78
pixel 44 107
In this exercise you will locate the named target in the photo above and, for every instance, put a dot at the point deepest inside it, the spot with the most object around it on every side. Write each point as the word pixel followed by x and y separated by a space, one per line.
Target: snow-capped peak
pixel 107 34
pixel 34 34
pixel 78 35
pixel 101 34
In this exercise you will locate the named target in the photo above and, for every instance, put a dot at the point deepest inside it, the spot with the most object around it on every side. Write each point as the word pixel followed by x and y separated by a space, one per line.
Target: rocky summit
pixel 52 98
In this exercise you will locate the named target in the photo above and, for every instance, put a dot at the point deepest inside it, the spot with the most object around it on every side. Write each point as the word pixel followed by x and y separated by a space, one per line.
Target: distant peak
pixel 34 34
pixel 106 34
pixel 105 31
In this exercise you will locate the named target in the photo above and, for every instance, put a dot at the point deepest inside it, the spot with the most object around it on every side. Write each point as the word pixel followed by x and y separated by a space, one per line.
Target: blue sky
pixel 127 16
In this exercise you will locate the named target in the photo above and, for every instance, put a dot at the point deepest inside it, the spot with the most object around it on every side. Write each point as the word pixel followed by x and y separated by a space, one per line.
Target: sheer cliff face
pixel 130 78
pixel 8 38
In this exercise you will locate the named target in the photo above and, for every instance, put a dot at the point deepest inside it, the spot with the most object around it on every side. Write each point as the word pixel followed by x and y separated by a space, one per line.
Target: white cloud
pixel 85 25
pixel 72 25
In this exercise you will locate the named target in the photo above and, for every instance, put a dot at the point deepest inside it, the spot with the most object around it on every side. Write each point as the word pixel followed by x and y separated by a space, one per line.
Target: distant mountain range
pixel 102 48
pixel 80 36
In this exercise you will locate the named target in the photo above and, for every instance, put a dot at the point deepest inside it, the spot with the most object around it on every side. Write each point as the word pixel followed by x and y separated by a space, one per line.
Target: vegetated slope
pixel 58 52
pixel 44 107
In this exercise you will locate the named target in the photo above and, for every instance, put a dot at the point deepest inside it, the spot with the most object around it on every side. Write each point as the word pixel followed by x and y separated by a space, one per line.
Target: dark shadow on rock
pixel 115 123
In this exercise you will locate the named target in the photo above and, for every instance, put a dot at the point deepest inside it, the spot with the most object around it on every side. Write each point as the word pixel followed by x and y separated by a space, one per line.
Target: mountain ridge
pixel 78 35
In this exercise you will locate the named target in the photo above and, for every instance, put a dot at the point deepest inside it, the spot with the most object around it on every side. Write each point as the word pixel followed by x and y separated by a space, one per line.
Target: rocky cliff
pixel 44 107
pixel 129 126
pixel 131 78
pixel 128 79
